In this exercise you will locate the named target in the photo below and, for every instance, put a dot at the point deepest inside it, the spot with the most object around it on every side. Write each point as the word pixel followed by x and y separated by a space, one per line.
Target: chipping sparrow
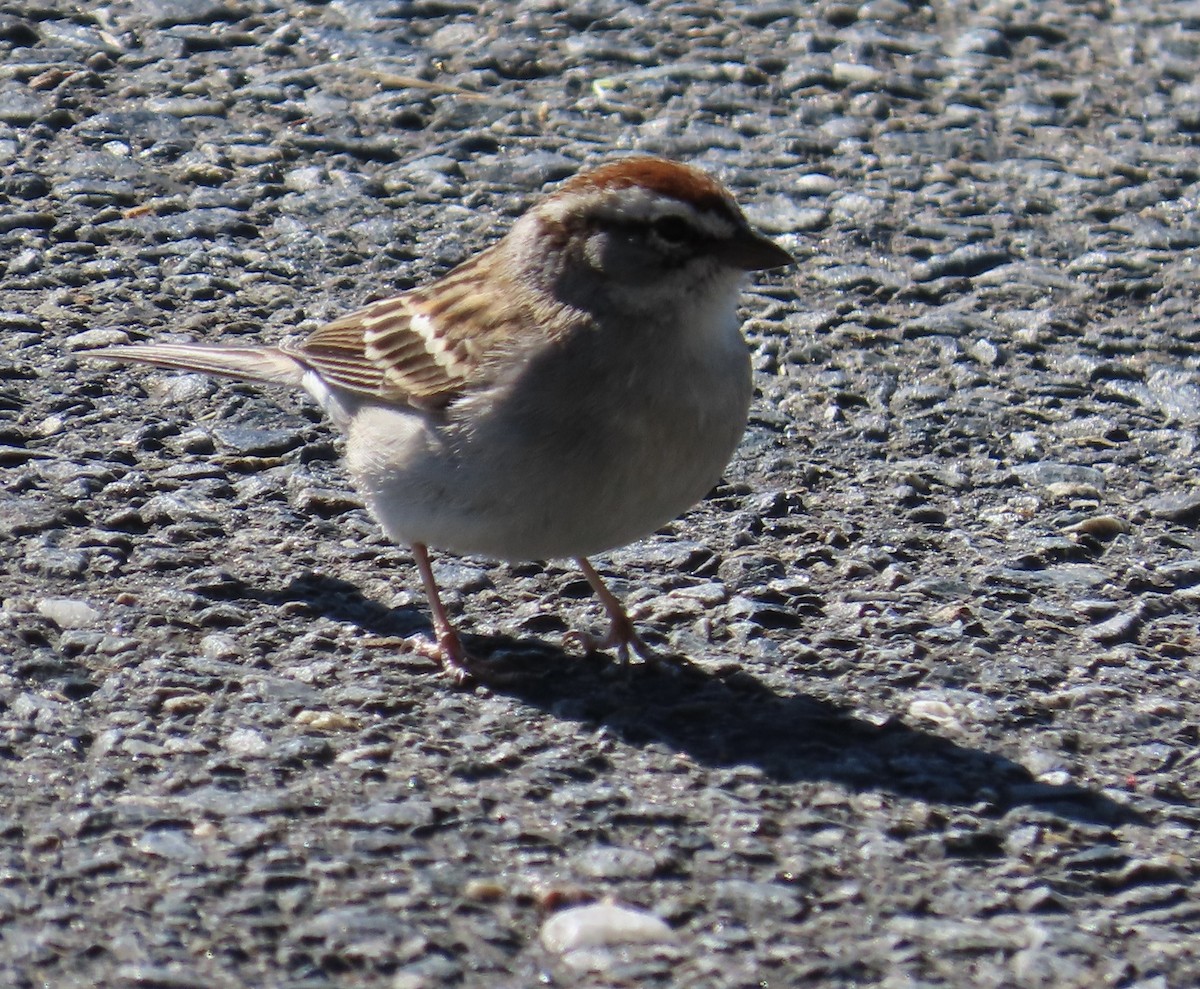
pixel 567 391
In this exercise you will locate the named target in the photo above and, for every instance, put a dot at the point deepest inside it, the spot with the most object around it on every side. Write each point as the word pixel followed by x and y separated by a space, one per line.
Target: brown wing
pixel 424 347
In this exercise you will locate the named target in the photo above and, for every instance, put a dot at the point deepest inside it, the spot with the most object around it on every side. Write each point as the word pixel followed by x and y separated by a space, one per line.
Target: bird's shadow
pixel 728 719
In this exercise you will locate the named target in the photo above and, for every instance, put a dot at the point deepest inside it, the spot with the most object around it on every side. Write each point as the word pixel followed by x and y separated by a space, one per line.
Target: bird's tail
pixel 266 364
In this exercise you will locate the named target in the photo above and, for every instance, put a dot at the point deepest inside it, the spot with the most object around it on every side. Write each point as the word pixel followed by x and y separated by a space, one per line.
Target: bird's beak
pixel 753 252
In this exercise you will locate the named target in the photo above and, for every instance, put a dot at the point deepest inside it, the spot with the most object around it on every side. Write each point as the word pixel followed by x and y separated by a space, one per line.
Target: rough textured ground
pixel 943 726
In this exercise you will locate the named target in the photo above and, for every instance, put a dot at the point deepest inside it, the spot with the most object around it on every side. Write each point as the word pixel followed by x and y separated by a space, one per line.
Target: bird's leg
pixel 447 648
pixel 621 634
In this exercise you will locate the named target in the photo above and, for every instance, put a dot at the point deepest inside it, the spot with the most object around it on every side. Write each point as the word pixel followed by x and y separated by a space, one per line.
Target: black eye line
pixel 674 229
pixel 691 238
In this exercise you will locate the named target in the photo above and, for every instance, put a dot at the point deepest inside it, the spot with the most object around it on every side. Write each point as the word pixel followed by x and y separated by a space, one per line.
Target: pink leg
pixel 621 634
pixel 449 650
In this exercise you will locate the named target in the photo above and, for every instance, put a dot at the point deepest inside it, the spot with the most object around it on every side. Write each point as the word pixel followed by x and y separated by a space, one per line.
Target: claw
pixel 621 634
pixel 448 652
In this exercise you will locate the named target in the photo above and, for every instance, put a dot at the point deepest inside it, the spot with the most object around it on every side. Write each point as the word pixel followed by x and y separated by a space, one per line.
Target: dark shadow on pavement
pixel 726 719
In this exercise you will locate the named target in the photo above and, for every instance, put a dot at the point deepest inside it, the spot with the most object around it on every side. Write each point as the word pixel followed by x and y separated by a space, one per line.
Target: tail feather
pixel 266 364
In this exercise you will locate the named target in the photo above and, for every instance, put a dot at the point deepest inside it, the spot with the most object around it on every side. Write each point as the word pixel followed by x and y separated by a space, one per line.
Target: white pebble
pixel 601 925
pixel 930 709
pixel 606 862
pixel 68 612
pixel 246 742
pixel 812 184
pixel 853 72
pixel 217 645
pixel 87 339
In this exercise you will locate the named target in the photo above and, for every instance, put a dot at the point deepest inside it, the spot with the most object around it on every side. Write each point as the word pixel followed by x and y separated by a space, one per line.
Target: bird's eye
pixel 672 229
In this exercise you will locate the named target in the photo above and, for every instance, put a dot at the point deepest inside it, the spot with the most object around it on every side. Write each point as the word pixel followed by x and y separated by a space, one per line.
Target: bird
pixel 566 391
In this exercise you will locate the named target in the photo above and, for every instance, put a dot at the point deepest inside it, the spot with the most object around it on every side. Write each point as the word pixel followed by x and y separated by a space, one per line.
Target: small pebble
pixel 96 338
pixel 68 612
pixel 483 890
pixel 326 720
pixel 939 712
pixel 185 704
pixel 246 742
pixel 602 925
pixel 1101 526
pixel 1068 490
pixel 615 863
pixel 217 645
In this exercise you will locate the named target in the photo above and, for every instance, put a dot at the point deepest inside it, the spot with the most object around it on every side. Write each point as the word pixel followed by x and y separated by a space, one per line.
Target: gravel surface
pixel 942 725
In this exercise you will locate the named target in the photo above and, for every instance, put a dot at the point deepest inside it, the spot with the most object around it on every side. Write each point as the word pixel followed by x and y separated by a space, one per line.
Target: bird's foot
pixel 621 636
pixel 448 652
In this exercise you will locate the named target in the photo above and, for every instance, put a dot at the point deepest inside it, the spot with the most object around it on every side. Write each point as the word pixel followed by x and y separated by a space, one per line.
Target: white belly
pixel 580 465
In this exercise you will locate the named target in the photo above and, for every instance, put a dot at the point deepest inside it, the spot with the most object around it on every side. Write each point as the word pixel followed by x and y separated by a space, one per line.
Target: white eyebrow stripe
pixel 631 204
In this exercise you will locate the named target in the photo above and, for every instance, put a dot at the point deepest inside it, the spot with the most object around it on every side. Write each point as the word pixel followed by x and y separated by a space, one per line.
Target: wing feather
pixel 427 346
